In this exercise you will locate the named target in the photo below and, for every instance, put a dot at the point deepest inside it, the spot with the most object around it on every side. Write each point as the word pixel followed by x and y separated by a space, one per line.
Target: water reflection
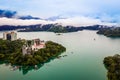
pixel 23 69
pixel 26 69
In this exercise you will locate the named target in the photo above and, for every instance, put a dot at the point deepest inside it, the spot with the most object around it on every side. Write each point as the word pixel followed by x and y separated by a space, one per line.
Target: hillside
pixel 112 64
pixel 57 28
pixel 110 32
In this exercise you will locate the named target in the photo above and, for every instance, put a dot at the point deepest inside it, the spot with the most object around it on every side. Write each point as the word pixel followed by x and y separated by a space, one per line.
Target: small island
pixel 110 32
pixel 112 64
pixel 27 52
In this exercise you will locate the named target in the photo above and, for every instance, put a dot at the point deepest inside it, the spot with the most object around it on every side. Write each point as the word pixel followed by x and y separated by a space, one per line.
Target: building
pixel 35 45
pixel 10 36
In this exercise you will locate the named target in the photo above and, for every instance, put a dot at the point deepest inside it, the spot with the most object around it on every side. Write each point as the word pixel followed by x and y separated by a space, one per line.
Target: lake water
pixel 84 60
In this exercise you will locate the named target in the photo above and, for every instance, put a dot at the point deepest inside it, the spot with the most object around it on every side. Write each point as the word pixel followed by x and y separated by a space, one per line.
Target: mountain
pixel 28 17
pixel 52 28
pixel 110 32
pixel 54 18
pixel 57 28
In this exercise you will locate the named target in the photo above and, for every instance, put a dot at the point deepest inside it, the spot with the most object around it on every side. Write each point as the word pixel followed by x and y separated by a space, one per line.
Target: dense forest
pixel 10 52
pixel 110 32
pixel 112 64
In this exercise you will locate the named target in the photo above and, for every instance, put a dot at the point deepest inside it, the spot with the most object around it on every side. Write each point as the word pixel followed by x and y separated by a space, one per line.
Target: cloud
pixel 7 13
pixel 73 21
pixel 106 10
pixel 79 21
pixel 8 17
pixel 16 22
pixel 41 8
pixel 83 21
pixel 14 14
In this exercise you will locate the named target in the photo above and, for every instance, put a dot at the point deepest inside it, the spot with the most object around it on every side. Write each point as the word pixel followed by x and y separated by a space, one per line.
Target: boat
pixel 58 34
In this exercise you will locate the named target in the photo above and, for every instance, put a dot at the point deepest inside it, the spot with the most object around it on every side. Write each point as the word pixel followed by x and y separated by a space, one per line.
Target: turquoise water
pixel 83 61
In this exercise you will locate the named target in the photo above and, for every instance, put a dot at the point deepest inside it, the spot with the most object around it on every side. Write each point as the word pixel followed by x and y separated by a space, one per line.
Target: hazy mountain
pixel 28 17
pixel 54 18
pixel 57 28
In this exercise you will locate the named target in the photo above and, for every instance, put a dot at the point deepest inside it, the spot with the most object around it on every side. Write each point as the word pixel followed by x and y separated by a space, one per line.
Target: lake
pixel 84 61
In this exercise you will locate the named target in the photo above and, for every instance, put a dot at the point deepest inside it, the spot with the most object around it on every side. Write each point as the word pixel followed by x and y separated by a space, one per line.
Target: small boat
pixel 58 34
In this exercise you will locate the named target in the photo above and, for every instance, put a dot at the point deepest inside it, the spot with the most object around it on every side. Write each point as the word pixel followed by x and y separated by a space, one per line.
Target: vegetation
pixel 58 29
pixel 110 32
pixel 10 52
pixel 8 48
pixel 112 64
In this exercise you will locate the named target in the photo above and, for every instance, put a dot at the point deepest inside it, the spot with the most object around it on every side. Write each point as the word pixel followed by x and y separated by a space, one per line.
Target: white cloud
pixel 73 21
pixel 11 21
pixel 78 21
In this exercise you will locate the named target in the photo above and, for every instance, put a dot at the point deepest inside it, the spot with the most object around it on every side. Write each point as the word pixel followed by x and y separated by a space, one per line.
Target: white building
pixel 10 36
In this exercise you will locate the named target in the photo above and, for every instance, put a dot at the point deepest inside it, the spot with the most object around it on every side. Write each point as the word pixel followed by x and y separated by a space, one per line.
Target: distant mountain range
pixel 28 17
pixel 57 28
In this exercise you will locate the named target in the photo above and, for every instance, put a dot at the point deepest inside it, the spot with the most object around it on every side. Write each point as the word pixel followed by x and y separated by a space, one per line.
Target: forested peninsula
pixel 112 64
pixel 110 32
pixel 10 52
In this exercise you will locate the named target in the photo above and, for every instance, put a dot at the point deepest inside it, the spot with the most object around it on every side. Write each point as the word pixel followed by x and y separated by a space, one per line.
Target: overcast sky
pixel 104 10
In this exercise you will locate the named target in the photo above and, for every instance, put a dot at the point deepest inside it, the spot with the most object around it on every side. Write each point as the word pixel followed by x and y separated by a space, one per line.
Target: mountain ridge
pixel 57 28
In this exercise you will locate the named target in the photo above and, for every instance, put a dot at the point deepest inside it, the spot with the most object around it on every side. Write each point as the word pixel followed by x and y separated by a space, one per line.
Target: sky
pixel 75 12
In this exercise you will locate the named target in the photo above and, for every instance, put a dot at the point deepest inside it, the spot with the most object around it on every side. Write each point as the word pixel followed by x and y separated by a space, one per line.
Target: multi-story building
pixel 35 45
pixel 10 36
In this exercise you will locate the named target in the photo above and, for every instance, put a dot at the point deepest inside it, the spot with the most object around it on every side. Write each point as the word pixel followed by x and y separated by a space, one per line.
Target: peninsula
pixel 112 64
pixel 27 52
pixel 110 32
